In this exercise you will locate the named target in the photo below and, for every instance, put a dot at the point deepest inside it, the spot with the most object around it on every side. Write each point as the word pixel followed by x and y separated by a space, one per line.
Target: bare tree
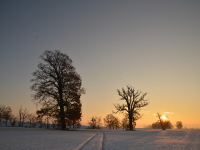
pixel 24 116
pixel 40 121
pixel 166 124
pixel 5 113
pixel 2 108
pixel 23 113
pixel 48 112
pixel 56 83
pixel 134 101
pixel 125 122
pixel 95 122
pixel 32 120
pixel 13 120
pixel 111 121
pixel 161 121
pixel 20 116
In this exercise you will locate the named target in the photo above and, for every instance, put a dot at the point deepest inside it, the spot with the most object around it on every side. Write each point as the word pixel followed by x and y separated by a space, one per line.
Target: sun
pixel 164 117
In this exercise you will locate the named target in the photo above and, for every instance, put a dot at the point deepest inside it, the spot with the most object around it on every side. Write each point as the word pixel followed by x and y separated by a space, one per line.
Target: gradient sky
pixel 153 46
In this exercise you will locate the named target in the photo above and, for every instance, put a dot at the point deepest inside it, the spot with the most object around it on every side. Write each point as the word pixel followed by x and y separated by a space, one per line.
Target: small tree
pixel 179 125
pixel 32 120
pixel 22 116
pixel 2 109
pixel 5 113
pixel 40 121
pixel 125 122
pixel 111 121
pixel 134 101
pixel 116 123
pixel 161 121
pixel 166 124
pixel 23 113
pixel 95 122
pixel 13 120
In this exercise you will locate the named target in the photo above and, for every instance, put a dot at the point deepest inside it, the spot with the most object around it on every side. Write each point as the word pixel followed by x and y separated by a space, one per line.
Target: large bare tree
pixel 56 83
pixel 134 101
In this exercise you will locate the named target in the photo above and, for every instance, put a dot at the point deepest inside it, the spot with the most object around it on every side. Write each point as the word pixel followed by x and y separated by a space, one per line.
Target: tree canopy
pixel 57 86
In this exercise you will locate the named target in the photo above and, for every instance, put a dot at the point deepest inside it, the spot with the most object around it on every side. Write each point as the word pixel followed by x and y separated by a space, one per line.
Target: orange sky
pixel 153 46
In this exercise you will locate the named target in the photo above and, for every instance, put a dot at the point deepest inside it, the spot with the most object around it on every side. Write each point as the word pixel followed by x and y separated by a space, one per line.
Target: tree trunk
pixel 20 121
pixel 22 124
pixel 62 118
pixel 161 122
pixel 47 122
pixel 29 123
pixel 130 121
pixel 62 112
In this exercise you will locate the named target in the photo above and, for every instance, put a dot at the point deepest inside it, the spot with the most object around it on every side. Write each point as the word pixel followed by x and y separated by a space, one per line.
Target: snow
pixel 34 138
pixel 27 138
pixel 154 139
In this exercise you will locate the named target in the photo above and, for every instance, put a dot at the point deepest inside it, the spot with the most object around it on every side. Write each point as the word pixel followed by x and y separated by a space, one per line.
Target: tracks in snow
pixel 94 142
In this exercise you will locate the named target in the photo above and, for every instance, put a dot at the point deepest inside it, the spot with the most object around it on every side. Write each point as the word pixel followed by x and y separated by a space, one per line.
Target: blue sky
pixel 153 46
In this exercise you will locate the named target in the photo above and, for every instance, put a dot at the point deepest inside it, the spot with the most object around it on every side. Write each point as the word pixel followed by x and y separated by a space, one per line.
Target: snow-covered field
pixel 29 138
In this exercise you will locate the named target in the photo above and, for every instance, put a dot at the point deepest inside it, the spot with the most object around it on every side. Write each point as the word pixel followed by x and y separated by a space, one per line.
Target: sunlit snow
pixel 29 138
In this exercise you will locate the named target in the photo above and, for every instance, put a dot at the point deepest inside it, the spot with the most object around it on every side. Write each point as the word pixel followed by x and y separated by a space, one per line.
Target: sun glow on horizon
pixel 164 117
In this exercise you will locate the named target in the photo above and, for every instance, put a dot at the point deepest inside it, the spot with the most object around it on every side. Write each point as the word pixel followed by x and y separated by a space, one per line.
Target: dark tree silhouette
pixel 20 116
pixel 179 125
pixel 166 124
pixel 5 113
pixel 2 108
pixel 32 120
pixel 134 101
pixel 95 122
pixel 56 83
pixel 73 114
pixel 48 111
pixel 111 121
pixel 161 122
pixel 23 114
pixel 125 122
pixel 13 120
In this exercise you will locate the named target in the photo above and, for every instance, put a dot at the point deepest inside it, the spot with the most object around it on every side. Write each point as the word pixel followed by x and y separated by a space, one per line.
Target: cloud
pixel 171 113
